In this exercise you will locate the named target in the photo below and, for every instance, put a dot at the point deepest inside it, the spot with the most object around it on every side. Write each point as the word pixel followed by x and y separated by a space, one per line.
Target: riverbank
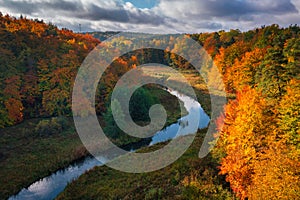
pixel 187 178
pixel 27 156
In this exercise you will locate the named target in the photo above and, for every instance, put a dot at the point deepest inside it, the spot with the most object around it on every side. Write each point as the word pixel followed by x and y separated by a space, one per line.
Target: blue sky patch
pixel 143 3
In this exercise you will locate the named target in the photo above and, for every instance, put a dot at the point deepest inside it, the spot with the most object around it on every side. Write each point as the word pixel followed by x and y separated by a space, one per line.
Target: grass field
pixel 26 156
pixel 187 178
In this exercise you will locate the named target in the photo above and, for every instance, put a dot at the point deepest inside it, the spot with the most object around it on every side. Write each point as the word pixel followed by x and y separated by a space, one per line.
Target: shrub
pixel 52 126
pixel 154 193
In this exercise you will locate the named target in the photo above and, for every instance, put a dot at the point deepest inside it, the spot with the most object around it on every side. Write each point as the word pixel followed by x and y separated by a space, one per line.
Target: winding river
pixel 49 187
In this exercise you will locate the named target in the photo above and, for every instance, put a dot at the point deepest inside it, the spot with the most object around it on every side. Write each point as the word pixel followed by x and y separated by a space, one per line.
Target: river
pixel 49 187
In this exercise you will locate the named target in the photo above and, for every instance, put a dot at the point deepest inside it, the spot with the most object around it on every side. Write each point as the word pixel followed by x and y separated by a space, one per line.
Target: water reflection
pixel 185 124
pixel 49 187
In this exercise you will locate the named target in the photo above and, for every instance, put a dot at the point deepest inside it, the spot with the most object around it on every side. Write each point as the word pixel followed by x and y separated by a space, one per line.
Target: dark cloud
pixel 276 7
pixel 94 12
pixel 62 5
pixel 121 14
pixel 237 9
pixel 241 8
pixel 228 9
pixel 141 17
pixel 28 8
pixel 23 7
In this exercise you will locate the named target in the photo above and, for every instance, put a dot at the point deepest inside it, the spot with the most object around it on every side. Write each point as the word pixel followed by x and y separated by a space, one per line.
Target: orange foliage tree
pixel 241 136
pixel 13 103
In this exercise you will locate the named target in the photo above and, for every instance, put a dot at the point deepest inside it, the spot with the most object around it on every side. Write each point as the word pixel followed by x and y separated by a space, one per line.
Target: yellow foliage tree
pixel 242 136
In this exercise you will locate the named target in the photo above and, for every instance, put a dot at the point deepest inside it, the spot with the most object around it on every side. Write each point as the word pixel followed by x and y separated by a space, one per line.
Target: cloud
pixel 228 9
pixel 30 7
pixel 209 15
pixel 94 12
pixel 126 13
pixel 18 6
pixel 167 16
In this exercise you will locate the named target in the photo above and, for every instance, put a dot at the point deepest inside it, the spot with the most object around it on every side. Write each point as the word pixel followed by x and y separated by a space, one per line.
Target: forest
pixel 257 155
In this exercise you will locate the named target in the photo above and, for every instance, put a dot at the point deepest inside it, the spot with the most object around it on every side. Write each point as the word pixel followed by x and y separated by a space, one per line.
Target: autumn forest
pixel 257 155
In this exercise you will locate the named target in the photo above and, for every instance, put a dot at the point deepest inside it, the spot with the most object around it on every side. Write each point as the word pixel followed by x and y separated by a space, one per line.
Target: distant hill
pixel 103 35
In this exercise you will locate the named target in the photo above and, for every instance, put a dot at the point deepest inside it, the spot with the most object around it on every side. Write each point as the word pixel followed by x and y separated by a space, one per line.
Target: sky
pixel 157 16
